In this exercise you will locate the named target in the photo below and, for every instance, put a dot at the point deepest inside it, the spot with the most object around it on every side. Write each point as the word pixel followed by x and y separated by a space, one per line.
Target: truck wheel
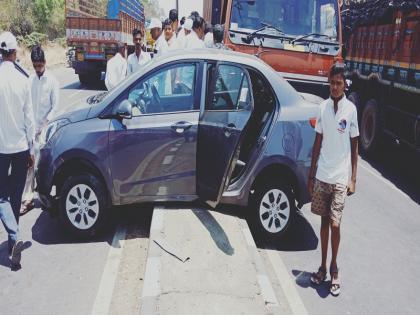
pixel 272 210
pixel 83 205
pixel 370 129
pixel 354 98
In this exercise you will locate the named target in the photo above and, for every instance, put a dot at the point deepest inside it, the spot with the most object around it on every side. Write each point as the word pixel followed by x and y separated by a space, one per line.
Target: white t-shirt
pixel 116 71
pixel 164 46
pixel 134 63
pixel 334 163
pixel 193 41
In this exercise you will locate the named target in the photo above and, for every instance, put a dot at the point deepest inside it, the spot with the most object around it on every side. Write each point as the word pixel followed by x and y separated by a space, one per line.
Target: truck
pixel 382 52
pixel 93 30
pixel 301 39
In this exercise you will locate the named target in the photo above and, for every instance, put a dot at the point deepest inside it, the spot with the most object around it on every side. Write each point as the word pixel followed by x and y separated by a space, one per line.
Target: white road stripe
pixel 382 179
pixel 287 284
pixel 109 275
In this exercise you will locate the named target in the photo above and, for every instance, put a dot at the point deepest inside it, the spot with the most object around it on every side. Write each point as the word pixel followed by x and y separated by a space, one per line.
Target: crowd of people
pixel 169 35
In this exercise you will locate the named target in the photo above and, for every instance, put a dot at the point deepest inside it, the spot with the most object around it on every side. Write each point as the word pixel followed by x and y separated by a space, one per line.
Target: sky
pixel 185 6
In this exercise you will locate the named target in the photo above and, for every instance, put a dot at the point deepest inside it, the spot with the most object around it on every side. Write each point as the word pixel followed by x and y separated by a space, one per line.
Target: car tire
pixel 272 210
pixel 83 205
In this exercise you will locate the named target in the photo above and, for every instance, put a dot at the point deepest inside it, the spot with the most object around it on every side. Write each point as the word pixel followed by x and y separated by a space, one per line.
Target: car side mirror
pixel 125 110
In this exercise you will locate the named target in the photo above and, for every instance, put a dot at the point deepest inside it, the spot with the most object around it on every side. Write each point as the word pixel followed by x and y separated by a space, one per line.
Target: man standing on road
pixel 155 27
pixel 139 57
pixel 333 169
pixel 218 33
pixel 116 68
pixel 169 41
pixel 185 31
pixel 173 16
pixel 195 38
pixel 45 96
pixel 16 142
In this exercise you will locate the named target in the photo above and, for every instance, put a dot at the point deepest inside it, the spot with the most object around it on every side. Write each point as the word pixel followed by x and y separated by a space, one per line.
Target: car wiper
pixel 254 34
pixel 305 37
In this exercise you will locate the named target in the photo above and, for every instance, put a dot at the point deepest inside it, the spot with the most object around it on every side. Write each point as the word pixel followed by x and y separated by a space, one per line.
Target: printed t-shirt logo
pixel 342 125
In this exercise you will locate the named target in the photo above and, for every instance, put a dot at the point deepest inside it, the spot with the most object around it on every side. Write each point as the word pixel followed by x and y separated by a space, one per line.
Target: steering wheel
pixel 156 99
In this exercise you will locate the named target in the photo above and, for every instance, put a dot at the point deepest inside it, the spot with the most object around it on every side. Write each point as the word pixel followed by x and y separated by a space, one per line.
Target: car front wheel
pixel 272 210
pixel 83 204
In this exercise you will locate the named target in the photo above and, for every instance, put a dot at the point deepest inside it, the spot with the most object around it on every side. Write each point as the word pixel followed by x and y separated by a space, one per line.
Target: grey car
pixel 221 127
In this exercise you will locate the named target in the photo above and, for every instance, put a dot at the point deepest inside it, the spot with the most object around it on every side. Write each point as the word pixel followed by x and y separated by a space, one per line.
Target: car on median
pixel 221 127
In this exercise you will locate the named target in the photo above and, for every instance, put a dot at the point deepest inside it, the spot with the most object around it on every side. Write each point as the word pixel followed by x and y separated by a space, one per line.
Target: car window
pixel 231 89
pixel 168 90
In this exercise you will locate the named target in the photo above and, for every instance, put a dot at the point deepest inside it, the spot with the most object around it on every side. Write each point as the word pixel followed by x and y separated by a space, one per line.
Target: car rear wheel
pixel 272 210
pixel 83 205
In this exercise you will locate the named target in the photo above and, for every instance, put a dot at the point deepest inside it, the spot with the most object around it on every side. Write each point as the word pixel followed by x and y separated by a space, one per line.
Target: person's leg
pixel 325 234
pixel 337 206
pixel 6 212
pixel 18 178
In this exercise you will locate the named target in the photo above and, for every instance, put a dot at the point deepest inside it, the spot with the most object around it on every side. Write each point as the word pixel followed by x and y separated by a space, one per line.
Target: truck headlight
pixel 51 129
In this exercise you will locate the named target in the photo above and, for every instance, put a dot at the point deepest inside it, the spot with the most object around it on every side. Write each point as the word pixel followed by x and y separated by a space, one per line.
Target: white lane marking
pixel 109 275
pixel 286 282
pixel 173 150
pixel 151 286
pixel 267 290
pixel 157 220
pixel 168 159
pixel 382 179
pixel 248 237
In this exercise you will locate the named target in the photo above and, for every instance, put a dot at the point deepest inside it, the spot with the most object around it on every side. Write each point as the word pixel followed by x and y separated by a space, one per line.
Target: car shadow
pixel 50 231
pixel 303 279
pixel 399 165
pixel 300 236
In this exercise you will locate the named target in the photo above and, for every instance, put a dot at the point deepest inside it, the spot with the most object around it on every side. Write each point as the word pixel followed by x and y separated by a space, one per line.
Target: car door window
pixel 168 90
pixel 231 89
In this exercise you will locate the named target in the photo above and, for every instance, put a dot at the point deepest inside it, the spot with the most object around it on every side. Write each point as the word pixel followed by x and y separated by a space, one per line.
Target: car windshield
pixel 293 17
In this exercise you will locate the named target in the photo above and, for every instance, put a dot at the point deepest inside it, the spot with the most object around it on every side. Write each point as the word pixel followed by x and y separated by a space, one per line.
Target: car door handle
pixel 228 129
pixel 181 126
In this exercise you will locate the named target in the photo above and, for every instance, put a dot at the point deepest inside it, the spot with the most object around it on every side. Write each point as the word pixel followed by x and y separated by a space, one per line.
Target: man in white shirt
pixel 185 31
pixel 333 169
pixel 116 68
pixel 169 41
pixel 155 27
pixel 195 38
pixel 16 142
pixel 173 16
pixel 139 57
pixel 45 97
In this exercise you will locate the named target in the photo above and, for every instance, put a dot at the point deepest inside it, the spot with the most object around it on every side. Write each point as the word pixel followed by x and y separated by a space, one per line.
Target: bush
pixel 32 39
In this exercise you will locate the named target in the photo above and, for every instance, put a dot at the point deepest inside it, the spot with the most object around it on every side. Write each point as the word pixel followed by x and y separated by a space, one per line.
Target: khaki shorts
pixel 328 200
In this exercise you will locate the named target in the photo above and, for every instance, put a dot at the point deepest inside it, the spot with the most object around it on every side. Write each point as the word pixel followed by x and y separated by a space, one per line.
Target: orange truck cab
pixel 300 39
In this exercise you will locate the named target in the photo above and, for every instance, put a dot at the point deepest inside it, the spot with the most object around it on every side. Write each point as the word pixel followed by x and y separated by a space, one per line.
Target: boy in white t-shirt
pixel 333 169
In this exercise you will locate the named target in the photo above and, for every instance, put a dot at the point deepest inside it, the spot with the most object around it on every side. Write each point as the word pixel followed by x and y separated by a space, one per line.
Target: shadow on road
pixel 303 279
pixel 400 166
pixel 299 237
pixel 216 231
pixel 50 231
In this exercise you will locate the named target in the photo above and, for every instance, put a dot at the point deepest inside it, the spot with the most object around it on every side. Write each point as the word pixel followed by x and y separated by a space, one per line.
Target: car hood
pixel 77 113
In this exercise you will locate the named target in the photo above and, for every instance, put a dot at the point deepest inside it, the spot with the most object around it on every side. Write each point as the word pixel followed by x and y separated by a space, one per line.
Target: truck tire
pixel 355 99
pixel 272 210
pixel 83 205
pixel 370 127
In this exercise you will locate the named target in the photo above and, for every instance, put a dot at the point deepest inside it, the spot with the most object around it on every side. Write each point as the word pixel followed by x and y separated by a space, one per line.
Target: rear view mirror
pixel 125 110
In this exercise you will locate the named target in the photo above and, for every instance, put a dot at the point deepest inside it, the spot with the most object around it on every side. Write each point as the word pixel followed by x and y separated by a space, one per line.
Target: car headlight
pixel 51 129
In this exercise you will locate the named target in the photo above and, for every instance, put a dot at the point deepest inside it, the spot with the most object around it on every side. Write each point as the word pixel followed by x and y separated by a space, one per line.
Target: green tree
pixel 49 16
pixel 152 9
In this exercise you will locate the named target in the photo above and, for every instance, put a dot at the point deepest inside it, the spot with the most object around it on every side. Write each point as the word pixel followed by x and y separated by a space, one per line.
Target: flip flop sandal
pixel 319 277
pixel 335 283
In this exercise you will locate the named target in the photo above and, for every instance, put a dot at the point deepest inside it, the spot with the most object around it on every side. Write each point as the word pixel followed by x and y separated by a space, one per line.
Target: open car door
pixel 221 128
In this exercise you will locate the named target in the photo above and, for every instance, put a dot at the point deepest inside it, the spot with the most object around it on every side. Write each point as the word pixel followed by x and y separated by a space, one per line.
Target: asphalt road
pixel 378 259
